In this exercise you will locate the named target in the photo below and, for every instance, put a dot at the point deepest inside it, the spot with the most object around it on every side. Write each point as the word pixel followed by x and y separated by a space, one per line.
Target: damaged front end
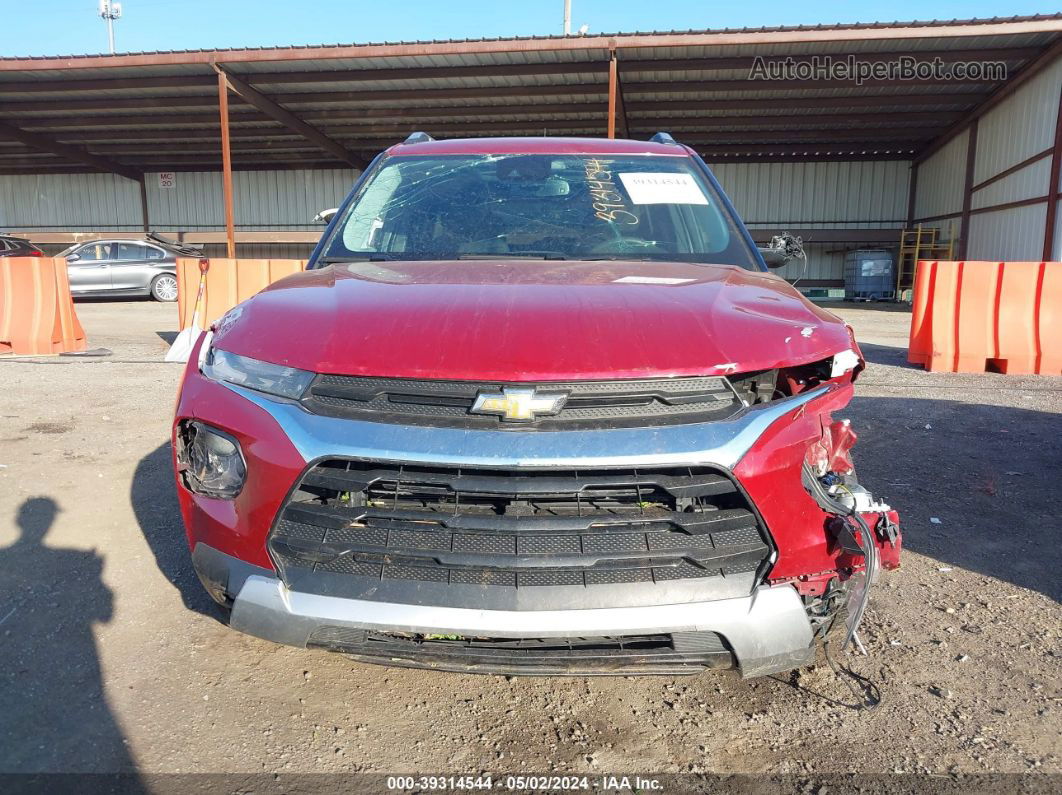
pixel 832 535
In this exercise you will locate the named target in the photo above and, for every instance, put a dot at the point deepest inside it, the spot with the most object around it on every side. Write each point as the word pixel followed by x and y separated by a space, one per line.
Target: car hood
pixel 531 320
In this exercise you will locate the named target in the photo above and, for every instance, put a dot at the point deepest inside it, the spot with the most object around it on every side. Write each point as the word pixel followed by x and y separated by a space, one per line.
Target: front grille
pixel 589 404
pixel 681 652
pixel 515 529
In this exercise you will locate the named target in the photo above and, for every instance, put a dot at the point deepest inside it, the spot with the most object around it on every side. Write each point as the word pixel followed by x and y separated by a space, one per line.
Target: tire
pixel 164 287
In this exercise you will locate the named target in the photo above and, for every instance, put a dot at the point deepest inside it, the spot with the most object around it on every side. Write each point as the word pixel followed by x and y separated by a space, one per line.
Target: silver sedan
pixel 122 267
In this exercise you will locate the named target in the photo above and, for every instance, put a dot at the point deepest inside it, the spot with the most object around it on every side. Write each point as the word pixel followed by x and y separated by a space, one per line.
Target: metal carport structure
pixel 333 106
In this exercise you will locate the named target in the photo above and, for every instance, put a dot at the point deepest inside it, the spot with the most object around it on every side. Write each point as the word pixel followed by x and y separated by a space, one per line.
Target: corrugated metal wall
pixel 940 179
pixel 823 194
pixel 1016 233
pixel 103 202
pixel 768 195
pixel 261 199
pixel 1019 128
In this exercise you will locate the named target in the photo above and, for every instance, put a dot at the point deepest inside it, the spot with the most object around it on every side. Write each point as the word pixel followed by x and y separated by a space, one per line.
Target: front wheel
pixel 164 287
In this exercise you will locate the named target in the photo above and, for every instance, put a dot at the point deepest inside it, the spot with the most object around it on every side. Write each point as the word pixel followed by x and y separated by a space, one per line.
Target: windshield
pixel 538 206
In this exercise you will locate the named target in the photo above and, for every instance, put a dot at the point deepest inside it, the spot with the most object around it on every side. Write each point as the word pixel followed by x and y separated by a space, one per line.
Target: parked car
pixel 126 267
pixel 11 246
pixel 536 406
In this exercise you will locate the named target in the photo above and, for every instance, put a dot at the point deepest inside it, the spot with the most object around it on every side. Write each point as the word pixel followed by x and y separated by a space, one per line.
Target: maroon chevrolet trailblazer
pixel 535 406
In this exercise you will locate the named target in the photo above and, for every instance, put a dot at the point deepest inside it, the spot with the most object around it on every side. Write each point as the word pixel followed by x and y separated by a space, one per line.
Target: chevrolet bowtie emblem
pixel 518 404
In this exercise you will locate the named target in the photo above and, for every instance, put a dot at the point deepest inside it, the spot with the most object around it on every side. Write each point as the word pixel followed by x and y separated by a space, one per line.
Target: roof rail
pixel 663 138
pixel 418 138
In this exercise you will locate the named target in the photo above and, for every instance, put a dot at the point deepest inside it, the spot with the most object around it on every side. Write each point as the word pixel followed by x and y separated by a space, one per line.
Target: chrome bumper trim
pixel 722 442
pixel 768 631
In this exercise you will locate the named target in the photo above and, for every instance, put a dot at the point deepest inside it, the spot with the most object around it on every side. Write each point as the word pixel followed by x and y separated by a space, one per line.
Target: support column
pixel 1052 188
pixel 613 80
pixel 912 195
pixel 967 192
pixel 144 203
pixel 226 164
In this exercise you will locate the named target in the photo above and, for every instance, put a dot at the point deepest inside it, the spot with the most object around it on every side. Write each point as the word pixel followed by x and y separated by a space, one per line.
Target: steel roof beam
pixel 599 88
pixel 338 130
pixel 713 63
pixel 44 143
pixel 290 120
pixel 603 42
pixel 251 116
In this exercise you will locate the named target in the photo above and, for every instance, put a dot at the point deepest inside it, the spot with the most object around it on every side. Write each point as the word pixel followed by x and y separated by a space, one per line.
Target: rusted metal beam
pixel 226 163
pixel 598 88
pixel 613 77
pixel 166 137
pixel 912 194
pixel 378 138
pixel 1052 187
pixel 711 63
pixel 819 34
pixel 967 192
pixel 887 103
pixel 291 121
pixel 144 204
pixel 48 144
pixel 1048 56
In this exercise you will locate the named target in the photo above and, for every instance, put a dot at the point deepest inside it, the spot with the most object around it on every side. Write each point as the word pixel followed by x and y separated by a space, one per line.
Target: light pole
pixel 567 17
pixel 110 11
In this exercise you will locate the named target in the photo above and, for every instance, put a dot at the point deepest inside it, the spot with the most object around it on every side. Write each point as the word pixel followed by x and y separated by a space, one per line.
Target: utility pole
pixel 110 11
pixel 567 17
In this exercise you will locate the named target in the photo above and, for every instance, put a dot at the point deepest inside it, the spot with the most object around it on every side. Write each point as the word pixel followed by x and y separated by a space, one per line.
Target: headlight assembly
pixel 210 460
pixel 273 379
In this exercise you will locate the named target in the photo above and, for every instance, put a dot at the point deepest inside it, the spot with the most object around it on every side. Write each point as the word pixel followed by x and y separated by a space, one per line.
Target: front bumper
pixel 766 632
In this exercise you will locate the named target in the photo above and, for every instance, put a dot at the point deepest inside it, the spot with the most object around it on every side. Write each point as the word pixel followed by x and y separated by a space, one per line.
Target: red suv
pixel 535 406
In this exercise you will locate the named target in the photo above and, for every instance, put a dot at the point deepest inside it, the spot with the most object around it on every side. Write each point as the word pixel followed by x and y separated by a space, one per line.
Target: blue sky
pixel 60 27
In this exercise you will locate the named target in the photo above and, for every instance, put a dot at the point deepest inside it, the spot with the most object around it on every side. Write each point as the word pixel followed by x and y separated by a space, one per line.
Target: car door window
pixel 155 253
pixel 132 251
pixel 94 252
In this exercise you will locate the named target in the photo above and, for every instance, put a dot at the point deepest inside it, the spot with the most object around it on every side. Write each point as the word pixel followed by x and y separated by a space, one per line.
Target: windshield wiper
pixel 549 255
pixel 361 258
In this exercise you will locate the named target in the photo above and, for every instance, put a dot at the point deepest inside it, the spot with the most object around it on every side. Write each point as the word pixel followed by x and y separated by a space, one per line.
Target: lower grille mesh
pixel 518 528
pixel 682 652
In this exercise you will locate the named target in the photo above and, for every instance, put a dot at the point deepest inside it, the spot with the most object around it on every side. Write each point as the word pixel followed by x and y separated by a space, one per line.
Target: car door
pixel 135 266
pixel 89 267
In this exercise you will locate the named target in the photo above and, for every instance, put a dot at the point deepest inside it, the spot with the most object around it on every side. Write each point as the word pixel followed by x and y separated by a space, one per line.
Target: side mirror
pixel 73 257
pixel 781 250
pixel 773 258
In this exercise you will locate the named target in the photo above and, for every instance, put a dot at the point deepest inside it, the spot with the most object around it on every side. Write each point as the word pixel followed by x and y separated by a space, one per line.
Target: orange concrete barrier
pixel 972 317
pixel 228 282
pixel 36 312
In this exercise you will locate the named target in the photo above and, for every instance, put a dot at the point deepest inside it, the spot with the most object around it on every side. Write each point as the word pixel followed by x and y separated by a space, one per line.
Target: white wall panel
pixel 1013 234
pixel 1056 254
pixel 104 202
pixel 261 199
pixel 822 194
pixel 1020 126
pixel 941 178
pixel 1026 183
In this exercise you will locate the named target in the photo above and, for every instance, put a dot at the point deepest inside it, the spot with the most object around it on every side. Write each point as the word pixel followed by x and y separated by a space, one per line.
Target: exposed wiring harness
pixel 871 696
pixel 865 541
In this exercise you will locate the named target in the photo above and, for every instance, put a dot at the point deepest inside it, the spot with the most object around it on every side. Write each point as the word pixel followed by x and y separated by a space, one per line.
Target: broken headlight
pixel 273 379
pixel 210 460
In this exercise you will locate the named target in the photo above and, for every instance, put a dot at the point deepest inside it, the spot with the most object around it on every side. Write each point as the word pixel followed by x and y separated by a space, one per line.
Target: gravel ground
pixel 112 658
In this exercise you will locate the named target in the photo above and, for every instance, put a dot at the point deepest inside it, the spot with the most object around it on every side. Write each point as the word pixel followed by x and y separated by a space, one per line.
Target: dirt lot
pixel 112 657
